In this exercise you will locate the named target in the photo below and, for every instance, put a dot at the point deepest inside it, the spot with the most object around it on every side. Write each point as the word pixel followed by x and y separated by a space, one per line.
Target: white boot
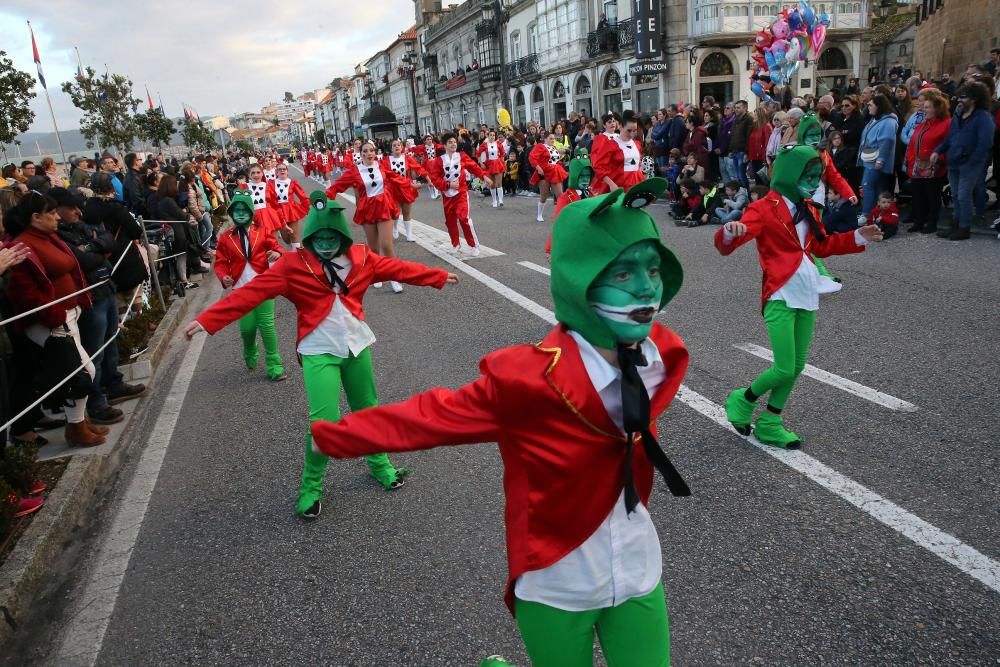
pixel 396 287
pixel 474 251
pixel 539 217
pixel 493 193
pixel 395 228
pixel 500 196
pixel 408 229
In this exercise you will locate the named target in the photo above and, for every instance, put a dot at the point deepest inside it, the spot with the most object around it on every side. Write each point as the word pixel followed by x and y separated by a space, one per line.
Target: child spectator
pixel 733 204
pixel 711 199
pixel 513 169
pixel 689 201
pixel 758 192
pixel 885 215
pixel 839 215
pixel 693 170
pixel 672 173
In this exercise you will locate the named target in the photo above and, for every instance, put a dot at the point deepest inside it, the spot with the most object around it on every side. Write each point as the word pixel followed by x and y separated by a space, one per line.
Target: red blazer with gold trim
pixel 229 259
pixel 298 276
pixel 769 221
pixel 562 453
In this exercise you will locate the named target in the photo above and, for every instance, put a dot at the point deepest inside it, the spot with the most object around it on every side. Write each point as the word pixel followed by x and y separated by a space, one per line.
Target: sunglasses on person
pixel 846 105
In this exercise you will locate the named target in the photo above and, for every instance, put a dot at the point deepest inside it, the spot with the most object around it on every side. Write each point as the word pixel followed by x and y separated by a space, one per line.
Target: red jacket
pixel 229 259
pixel 833 178
pixel 29 287
pixel 298 276
pixel 889 216
pixel 421 152
pixel 929 135
pixel 412 166
pixel 435 171
pixel 610 162
pixel 562 453
pixel 757 143
pixel 769 221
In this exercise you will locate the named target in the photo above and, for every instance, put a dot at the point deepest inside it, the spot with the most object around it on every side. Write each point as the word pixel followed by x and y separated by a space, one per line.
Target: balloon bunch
pixel 792 37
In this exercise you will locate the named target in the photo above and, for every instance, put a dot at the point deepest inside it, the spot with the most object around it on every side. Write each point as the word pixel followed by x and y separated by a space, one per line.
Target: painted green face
pixel 241 214
pixel 583 180
pixel 813 135
pixel 627 293
pixel 325 243
pixel 810 179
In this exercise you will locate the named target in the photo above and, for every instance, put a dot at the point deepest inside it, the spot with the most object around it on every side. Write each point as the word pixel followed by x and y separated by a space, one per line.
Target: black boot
pixel 959 234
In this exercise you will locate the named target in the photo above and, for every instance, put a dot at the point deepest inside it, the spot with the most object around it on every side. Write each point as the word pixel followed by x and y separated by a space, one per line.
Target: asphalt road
pixel 762 565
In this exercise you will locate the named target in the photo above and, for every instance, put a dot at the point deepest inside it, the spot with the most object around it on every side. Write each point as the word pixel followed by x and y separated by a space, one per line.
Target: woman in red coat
pixel 619 163
pixel 402 189
pixel 548 172
pixel 492 155
pixel 611 121
pixel 757 143
pixel 293 203
pixel 265 201
pixel 697 140
pixel 375 209
pixel 928 178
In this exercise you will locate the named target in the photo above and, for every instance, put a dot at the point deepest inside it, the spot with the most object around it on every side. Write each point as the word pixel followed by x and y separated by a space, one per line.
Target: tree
pixel 244 146
pixel 107 105
pixel 154 127
pixel 288 96
pixel 16 90
pixel 197 135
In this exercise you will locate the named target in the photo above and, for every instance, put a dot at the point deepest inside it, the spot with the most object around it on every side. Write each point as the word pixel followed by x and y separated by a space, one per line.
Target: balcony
pixel 489 73
pixel 464 82
pixel 523 69
pixel 430 60
pixel 612 40
pixel 729 21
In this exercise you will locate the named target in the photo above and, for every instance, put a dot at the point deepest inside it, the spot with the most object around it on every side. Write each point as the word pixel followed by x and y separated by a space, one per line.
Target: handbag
pixel 869 155
pixel 922 168
pixel 60 357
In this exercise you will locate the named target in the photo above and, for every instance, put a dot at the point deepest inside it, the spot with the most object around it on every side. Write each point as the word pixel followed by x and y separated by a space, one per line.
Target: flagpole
pixel 51 113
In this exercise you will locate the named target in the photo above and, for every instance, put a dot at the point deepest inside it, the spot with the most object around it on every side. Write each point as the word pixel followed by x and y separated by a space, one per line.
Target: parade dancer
pixel 269 168
pixel 428 151
pixel 612 123
pixel 244 251
pixel 618 163
pixel 575 419
pixel 375 209
pixel 306 160
pixel 548 172
pixel 292 201
pixel 265 202
pixel 492 155
pixel 403 192
pixel 326 281
pixel 786 226
pixel 447 173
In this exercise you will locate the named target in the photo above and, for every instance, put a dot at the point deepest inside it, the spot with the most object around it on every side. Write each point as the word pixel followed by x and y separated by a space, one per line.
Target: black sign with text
pixel 647 28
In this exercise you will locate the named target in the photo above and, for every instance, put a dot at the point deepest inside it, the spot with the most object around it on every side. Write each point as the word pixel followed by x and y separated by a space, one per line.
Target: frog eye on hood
pixel 608 202
pixel 645 193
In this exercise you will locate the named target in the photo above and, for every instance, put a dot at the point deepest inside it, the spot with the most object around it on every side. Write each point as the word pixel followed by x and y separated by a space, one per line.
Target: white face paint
pixel 632 313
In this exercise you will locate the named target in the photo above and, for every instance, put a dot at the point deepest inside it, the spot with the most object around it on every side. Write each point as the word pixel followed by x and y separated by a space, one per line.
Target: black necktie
pixel 330 269
pixel 635 419
pixel 803 213
pixel 244 240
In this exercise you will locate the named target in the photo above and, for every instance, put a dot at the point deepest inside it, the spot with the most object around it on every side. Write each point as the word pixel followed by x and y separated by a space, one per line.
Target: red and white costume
pixel 548 158
pixel 269 174
pixel 442 171
pixel 306 160
pixel 293 202
pixel 265 206
pixel 373 191
pixel 402 190
pixel 230 259
pixel 495 156
pixel 428 152
pixel 619 160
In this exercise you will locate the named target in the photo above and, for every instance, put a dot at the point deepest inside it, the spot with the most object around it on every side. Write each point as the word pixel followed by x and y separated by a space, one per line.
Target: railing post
pixel 153 273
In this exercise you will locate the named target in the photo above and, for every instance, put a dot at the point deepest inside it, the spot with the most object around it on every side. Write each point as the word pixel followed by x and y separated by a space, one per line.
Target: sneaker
pixel 495 204
pixel 539 219
pixel 376 285
pixel 38 487
pixel 396 287
pixel 190 285
pixel 400 479
pixel 313 511
pixel 26 506
pixel 125 392
pixel 474 250
pixel 770 430
pixel 739 411
pixel 107 415
pixel 279 378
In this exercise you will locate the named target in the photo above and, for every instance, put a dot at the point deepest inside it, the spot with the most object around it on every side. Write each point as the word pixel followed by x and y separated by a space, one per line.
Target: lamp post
pixel 499 19
pixel 346 99
pixel 410 71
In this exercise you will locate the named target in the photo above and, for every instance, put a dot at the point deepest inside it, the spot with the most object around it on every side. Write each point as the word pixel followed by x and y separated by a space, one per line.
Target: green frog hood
pixel 325 214
pixel 241 196
pixel 579 164
pixel 810 130
pixel 589 235
pixel 789 165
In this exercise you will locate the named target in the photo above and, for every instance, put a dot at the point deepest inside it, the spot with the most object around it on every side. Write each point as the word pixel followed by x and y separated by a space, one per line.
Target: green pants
pixel 633 634
pixel 791 332
pixel 324 374
pixel 261 319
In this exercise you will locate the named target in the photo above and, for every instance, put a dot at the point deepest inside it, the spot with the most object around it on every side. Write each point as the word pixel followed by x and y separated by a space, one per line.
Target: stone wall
pixel 971 28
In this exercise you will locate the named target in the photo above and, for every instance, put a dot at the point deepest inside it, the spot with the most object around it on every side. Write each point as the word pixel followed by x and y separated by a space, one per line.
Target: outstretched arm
pixel 734 234
pixel 346 181
pixel 411 273
pixel 240 301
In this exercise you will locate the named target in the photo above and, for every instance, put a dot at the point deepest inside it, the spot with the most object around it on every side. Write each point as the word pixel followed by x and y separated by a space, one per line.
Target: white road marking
pixel 84 635
pixel 941 544
pixel 544 270
pixel 851 387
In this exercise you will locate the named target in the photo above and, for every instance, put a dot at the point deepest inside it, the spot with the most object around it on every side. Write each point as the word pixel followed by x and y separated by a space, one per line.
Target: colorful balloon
pixel 780 29
pixel 757 89
pixel 808 15
pixel 793 52
pixel 795 21
pixel 764 39
pixel 824 19
pixel 818 37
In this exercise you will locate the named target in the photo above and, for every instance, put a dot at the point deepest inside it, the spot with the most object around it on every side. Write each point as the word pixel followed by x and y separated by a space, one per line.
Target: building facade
pixel 954 33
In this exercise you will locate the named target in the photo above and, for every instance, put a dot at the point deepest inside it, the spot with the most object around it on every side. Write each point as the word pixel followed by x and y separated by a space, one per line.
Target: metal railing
pixel 611 39
pixel 523 68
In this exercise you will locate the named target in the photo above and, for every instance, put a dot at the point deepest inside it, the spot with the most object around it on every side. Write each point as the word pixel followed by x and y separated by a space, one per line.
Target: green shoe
pixel 771 431
pixel 390 478
pixel 739 411
pixel 495 661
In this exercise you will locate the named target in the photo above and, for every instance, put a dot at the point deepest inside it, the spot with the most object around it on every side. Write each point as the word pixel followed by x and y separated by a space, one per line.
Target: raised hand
pixel 193 327
pixel 871 233
pixel 735 228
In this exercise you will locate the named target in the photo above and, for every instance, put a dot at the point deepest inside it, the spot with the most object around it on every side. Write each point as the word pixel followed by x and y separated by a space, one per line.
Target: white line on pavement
pixel 945 546
pixel 851 387
pixel 536 267
pixel 84 635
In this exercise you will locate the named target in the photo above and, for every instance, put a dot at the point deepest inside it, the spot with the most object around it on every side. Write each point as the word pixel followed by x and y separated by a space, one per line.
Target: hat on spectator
pixel 39 183
pixel 65 197
pixel 101 183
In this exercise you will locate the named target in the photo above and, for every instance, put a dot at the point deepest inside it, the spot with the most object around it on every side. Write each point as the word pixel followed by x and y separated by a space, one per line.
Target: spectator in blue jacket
pixel 877 151
pixel 967 149
pixel 660 136
pixel 678 130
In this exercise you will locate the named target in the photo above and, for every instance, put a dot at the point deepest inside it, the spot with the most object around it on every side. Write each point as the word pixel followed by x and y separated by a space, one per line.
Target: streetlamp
pixel 409 70
pixel 499 18
pixel 346 99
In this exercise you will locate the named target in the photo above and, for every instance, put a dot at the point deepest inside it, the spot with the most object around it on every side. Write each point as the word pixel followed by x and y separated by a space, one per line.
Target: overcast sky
pixel 218 57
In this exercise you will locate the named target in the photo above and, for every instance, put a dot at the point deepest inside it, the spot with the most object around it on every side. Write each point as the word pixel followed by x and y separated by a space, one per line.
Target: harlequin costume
pixel 333 339
pixel 549 160
pixel 306 160
pixel 580 177
pixel 786 226
pixel 577 477
pixel 374 202
pixel 442 171
pixel 426 153
pixel 265 206
pixel 241 255
pixel 619 160
pixel 492 155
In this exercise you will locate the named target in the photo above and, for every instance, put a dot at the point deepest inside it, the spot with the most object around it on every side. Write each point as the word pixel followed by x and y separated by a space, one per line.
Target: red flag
pixel 38 60
pixel 149 99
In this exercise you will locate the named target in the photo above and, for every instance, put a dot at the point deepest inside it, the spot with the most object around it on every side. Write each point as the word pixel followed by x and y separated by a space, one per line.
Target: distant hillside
pixel 73 143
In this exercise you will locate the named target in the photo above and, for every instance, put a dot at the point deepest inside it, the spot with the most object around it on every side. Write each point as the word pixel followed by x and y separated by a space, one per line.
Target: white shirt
pixel 371 176
pixel 452 167
pixel 340 333
pixel 631 156
pixel 245 277
pixel 491 151
pixel 622 559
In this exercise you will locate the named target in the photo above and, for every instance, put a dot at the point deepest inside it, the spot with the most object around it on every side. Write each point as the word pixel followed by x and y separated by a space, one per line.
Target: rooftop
pixel 884 30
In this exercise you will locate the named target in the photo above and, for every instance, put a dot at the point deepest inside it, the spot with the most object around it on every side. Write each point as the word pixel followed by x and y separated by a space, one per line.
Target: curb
pixel 30 566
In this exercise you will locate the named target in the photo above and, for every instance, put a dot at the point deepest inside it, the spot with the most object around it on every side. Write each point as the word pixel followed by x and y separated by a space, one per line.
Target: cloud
pixel 218 57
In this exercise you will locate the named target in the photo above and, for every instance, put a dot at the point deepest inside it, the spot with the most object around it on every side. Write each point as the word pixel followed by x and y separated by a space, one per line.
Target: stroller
pixel 162 235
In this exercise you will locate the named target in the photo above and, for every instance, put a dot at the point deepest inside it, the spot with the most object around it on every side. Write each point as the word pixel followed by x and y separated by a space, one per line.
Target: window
pixel 583 86
pixel 728 11
pixel 611 10
pixel 744 11
pixel 558 91
pixel 515 45
pixel 537 95
pixel 533 38
pixel 519 99
pixel 902 50
pixel 612 81
pixel 716 64
pixel 833 59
